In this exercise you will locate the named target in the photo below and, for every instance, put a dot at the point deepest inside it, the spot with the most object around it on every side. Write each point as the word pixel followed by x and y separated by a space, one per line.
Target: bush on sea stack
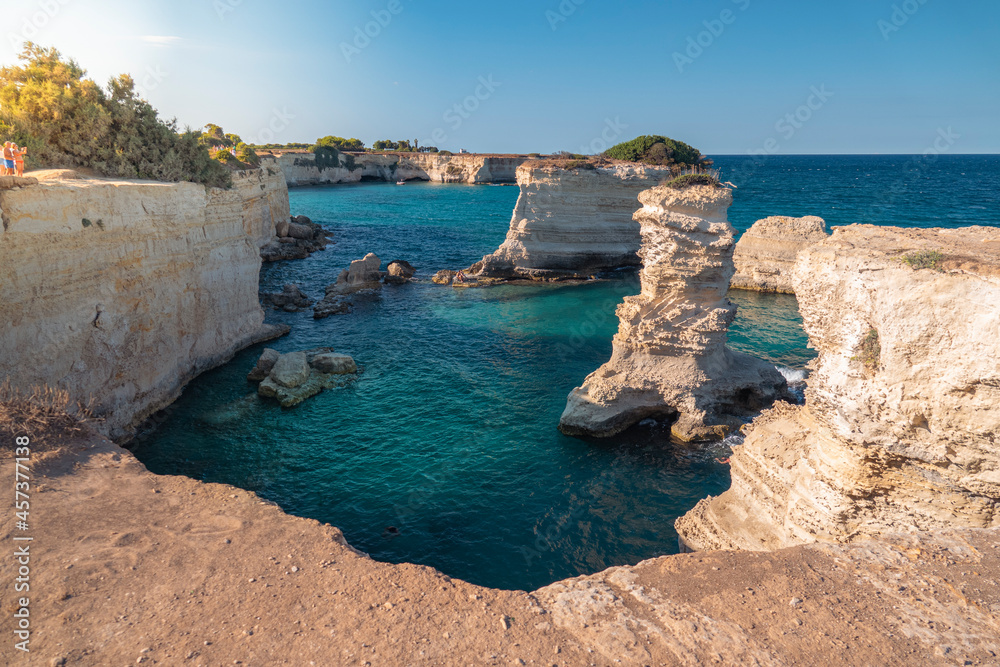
pixel 67 120
pixel 659 151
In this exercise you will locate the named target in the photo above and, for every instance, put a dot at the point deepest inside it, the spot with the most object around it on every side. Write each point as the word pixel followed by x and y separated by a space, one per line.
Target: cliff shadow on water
pixel 449 435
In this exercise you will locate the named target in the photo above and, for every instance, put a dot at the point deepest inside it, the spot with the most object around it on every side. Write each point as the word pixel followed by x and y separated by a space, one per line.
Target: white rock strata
pixel 670 355
pixel 766 253
pixel 902 417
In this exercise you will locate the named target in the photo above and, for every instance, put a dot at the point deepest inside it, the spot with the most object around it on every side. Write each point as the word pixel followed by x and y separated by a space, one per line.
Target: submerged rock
pixel 766 253
pixel 291 299
pixel 294 377
pixel 900 427
pixel 670 355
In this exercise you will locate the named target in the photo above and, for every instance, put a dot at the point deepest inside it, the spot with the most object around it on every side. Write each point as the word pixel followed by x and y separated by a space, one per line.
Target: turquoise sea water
pixel 449 435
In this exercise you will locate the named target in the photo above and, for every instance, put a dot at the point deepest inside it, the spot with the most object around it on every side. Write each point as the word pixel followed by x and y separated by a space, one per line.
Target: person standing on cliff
pixel 8 159
pixel 19 160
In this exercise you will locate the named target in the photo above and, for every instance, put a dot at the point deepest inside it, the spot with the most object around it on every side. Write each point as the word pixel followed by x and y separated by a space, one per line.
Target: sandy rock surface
pixel 134 568
pixel 902 415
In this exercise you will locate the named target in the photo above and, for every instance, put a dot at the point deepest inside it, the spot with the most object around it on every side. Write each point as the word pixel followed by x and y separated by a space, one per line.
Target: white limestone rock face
pixel 305 169
pixel 572 222
pixel 123 291
pixel 670 355
pixel 765 255
pixel 902 417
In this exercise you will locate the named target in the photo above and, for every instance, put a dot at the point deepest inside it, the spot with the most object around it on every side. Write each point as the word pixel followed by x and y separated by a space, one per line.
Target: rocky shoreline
pixel 878 497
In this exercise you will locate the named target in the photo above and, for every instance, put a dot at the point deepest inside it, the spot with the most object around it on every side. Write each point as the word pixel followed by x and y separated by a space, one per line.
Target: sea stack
pixel 573 218
pixel 670 356
pixel 901 422
pixel 766 253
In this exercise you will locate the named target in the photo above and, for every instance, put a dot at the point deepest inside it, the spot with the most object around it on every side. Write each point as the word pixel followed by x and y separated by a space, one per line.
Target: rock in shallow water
pixel 297 376
pixel 399 272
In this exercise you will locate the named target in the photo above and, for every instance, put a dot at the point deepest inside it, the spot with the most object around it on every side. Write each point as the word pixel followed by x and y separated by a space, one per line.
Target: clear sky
pixel 727 76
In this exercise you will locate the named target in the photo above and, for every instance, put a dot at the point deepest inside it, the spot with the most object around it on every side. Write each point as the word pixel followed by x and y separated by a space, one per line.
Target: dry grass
pixel 42 413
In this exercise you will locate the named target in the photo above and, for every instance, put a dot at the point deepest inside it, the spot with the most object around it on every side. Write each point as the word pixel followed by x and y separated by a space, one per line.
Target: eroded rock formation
pixel 902 416
pixel 766 253
pixel 571 222
pixel 308 169
pixel 123 291
pixel 363 275
pixel 670 355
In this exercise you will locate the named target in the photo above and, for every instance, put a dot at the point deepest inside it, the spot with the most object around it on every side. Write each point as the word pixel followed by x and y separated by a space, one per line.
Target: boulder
pixel 302 220
pixel 301 232
pixel 264 365
pixel 291 299
pixel 333 304
pixel 334 364
pixel 281 229
pixel 297 376
pixel 290 370
pixel 444 277
pixel 399 272
pixel 363 274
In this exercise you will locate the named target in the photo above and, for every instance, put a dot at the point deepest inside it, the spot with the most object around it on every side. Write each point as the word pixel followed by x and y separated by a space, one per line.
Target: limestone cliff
pixel 122 291
pixel 766 253
pixel 308 169
pixel 262 197
pixel 670 355
pixel 902 417
pixel 572 221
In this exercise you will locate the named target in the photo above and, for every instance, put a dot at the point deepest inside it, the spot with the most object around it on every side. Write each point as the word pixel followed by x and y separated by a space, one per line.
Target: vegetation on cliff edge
pixel 658 151
pixel 67 120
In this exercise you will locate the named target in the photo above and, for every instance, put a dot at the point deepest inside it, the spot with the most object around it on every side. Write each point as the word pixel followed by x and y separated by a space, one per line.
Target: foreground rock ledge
pixel 902 417
pixel 133 565
pixel 670 355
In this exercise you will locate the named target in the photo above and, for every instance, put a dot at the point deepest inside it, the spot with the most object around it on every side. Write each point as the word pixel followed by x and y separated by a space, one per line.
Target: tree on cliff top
pixel 67 120
pixel 660 151
pixel 339 143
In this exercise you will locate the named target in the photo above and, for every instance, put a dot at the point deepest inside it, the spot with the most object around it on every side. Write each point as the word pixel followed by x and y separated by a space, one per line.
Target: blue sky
pixel 727 76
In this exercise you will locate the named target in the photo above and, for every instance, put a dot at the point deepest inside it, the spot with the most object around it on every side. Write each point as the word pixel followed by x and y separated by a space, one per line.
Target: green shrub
pixel 659 151
pixel 870 351
pixel 446 153
pixel 689 180
pixel 339 143
pixel 67 120
pixel 923 259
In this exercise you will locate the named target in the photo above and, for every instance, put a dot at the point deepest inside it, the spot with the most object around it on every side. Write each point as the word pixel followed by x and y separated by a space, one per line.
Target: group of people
pixel 13 160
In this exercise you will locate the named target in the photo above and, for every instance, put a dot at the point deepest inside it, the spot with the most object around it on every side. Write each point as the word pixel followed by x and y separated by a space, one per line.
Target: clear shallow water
pixel 450 433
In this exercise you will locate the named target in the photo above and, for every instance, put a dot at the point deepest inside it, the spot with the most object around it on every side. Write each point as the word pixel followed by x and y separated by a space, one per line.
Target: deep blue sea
pixel 449 434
